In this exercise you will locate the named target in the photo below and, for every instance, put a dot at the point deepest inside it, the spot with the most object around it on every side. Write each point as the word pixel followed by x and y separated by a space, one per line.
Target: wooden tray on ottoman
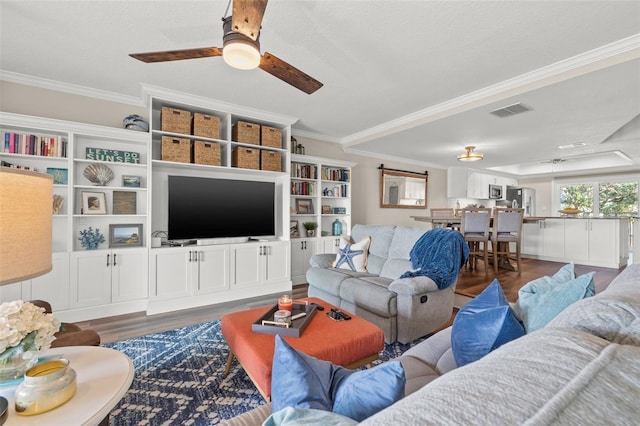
pixel 294 330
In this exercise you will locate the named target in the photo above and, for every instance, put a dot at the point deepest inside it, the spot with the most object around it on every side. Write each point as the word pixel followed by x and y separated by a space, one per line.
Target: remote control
pixel 343 315
pixel 318 307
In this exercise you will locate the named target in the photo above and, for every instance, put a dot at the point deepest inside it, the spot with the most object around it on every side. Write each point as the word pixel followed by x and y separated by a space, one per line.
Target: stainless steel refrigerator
pixel 522 198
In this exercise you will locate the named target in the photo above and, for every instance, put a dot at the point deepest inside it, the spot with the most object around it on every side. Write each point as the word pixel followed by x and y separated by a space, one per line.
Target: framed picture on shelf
pixel 124 202
pixel 125 235
pixel 326 209
pixel 294 230
pixel 94 203
pixel 304 206
pixel 131 181
pixel 60 176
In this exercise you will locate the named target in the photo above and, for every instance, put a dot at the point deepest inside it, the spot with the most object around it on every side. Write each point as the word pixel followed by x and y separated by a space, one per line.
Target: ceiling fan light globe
pixel 241 54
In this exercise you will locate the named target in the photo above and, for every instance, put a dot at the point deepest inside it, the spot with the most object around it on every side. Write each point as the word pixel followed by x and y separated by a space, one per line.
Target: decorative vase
pixel 45 386
pixel 311 232
pixel 14 366
pixel 336 227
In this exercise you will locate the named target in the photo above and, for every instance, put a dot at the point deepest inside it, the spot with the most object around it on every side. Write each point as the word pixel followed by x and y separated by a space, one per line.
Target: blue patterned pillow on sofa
pixel 484 324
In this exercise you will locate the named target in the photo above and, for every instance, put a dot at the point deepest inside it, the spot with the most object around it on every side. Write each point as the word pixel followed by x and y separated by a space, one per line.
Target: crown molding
pixel 72 89
pixel 614 53
pixel 315 136
pixel 387 157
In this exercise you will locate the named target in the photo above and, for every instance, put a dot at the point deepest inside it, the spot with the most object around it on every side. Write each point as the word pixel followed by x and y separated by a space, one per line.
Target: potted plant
pixel 311 228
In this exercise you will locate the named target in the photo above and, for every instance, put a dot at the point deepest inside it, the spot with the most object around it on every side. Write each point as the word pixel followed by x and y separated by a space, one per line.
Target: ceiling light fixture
pixel 572 145
pixel 239 51
pixel 470 155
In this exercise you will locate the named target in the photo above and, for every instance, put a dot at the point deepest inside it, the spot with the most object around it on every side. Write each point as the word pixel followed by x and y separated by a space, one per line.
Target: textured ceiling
pixel 412 81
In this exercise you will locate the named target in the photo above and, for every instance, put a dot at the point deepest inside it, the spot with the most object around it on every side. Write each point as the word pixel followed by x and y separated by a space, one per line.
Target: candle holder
pixel 285 303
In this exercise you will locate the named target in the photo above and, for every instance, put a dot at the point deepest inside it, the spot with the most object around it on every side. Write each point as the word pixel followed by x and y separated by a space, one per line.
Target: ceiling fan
pixel 241 47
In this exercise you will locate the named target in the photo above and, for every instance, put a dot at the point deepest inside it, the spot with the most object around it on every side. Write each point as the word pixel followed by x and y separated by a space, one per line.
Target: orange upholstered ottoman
pixel 351 343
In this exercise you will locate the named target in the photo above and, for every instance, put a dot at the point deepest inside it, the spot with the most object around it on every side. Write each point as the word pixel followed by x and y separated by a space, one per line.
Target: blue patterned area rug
pixel 179 378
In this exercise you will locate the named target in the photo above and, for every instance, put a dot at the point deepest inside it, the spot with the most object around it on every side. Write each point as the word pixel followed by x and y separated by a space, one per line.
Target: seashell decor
pixel 58 201
pixel 98 174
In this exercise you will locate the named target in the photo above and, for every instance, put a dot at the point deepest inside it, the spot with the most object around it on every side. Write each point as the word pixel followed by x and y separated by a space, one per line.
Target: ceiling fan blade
pixel 289 74
pixel 247 17
pixel 177 55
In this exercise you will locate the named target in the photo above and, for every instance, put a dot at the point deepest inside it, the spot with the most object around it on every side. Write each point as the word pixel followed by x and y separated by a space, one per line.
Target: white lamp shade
pixel 26 208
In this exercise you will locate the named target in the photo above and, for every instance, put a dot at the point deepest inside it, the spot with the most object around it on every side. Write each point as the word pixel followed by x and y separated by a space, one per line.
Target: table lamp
pixel 26 206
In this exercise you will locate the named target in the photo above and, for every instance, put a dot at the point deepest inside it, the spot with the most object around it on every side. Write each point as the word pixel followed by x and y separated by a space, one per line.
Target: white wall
pixel 365 189
pixel 365 186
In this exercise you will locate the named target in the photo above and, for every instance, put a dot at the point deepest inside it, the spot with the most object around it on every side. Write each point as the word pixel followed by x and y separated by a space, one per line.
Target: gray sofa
pixel 405 309
pixel 582 368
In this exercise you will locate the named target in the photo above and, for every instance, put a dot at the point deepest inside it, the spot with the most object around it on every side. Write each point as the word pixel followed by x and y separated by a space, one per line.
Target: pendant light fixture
pixel 470 155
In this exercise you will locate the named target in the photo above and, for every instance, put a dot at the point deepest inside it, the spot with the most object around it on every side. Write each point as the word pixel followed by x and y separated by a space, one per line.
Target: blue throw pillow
pixel 541 300
pixel 484 324
pixel 302 381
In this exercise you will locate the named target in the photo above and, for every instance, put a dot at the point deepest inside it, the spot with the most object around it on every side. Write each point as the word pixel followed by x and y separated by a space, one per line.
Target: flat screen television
pixel 201 208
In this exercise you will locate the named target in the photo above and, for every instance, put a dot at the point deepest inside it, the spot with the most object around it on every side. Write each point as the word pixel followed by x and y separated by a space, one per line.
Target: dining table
pixel 455 221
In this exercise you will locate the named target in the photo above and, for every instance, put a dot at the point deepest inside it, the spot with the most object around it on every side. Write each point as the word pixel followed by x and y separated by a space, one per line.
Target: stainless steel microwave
pixel 495 191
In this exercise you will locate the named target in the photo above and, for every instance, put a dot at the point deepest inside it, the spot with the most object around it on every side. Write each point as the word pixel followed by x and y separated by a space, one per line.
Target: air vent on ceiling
pixel 510 110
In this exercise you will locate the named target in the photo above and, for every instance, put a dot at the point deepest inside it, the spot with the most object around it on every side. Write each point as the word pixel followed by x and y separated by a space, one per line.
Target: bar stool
pixel 507 229
pixel 474 227
pixel 444 213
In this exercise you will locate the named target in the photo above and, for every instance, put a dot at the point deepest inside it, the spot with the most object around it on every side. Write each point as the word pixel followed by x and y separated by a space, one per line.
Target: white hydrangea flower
pixel 19 318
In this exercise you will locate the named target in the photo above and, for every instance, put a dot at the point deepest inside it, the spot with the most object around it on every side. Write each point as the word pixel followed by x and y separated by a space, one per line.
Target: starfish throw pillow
pixel 353 256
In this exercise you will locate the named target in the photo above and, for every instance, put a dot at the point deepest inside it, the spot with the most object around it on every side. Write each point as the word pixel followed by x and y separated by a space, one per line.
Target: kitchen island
pixel 594 241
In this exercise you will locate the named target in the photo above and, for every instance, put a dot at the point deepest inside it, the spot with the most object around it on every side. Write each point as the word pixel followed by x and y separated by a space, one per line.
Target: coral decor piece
pixel 90 239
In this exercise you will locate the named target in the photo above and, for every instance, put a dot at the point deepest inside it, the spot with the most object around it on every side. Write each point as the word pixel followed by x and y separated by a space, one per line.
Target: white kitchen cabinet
pixel 553 238
pixel 301 252
pixel 102 277
pixel 468 183
pixel 532 239
pixel 602 242
pixel 253 265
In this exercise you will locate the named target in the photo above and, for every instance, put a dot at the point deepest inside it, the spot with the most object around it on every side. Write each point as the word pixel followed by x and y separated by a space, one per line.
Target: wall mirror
pixel 402 189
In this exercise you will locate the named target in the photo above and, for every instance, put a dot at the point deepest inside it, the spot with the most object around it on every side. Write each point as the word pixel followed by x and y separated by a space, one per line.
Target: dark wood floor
pixel 470 283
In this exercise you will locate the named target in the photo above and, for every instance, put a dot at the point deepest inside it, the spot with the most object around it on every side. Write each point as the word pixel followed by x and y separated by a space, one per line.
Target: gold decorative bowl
pixel 45 387
pixel 569 211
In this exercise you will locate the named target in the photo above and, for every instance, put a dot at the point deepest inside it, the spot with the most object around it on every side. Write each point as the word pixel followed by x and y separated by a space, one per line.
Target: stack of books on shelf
pixel 304 171
pixel 30 144
pixel 341 190
pixel 302 188
pixel 329 173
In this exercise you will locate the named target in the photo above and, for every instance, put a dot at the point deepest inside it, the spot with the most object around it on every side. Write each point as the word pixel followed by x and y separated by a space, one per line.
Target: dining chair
pixel 474 226
pixel 507 231
pixel 444 213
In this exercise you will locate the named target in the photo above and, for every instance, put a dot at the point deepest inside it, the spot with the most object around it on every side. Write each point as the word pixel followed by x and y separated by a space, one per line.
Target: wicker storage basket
pixel 270 136
pixel 271 161
pixel 206 125
pixel 246 132
pixel 176 149
pixel 206 153
pixel 246 158
pixel 175 120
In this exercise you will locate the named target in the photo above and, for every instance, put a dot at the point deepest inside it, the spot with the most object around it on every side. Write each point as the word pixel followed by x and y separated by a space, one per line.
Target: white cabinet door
pixel 532 239
pixel 553 238
pixel 90 278
pixel 604 241
pixel 276 262
pixel 129 274
pixel 54 286
pixel 212 264
pixel 247 263
pixel 576 240
pixel 330 245
pixel 301 252
pixel 170 273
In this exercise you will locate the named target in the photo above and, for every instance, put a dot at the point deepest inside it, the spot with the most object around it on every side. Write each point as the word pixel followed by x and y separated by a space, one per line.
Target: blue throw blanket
pixel 438 254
